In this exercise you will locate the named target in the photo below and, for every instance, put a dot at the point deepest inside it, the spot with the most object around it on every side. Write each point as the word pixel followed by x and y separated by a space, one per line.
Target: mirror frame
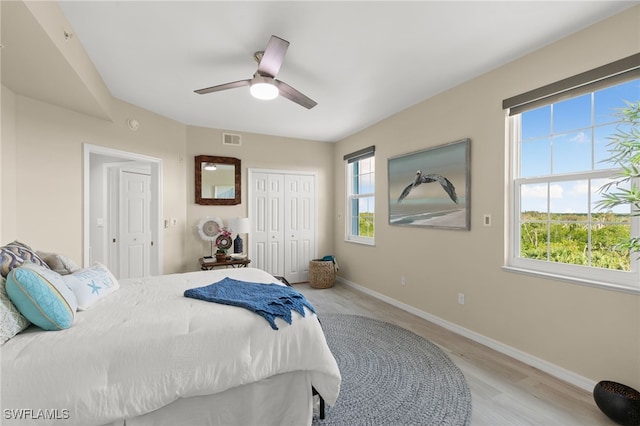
pixel 200 159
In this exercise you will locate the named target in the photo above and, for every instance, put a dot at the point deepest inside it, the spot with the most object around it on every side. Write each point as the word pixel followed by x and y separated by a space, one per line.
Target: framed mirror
pixel 218 180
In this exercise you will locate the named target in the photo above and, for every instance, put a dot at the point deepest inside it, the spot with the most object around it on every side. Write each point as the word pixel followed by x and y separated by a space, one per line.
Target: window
pixel 560 163
pixel 360 217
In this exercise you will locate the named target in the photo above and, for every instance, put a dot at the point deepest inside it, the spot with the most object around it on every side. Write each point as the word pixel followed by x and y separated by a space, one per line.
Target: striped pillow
pixel 15 254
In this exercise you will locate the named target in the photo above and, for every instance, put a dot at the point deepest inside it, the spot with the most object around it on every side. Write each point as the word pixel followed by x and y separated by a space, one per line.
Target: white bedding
pixel 147 345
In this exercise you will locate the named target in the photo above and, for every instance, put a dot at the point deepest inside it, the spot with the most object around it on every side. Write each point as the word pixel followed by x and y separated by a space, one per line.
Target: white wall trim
pixel 549 368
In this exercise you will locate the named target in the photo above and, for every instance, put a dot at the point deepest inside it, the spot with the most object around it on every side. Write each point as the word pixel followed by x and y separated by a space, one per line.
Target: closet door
pixel 283 218
pixel 267 218
pixel 299 226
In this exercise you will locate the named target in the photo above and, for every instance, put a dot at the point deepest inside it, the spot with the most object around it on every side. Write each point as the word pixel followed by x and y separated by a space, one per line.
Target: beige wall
pixel 42 171
pixel 1 129
pixel 258 152
pixel 8 184
pixel 592 332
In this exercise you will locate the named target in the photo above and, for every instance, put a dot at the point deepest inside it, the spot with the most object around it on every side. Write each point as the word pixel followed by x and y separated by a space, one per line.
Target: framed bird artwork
pixel 431 187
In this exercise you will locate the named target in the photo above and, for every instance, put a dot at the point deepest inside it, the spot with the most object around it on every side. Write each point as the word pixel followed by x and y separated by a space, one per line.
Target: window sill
pixel 573 280
pixel 361 242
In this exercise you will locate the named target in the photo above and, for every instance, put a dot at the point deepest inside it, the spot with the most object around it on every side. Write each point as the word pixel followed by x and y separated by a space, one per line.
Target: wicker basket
pixel 322 273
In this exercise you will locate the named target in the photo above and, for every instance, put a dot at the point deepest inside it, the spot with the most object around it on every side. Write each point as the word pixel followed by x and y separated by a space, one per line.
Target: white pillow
pixel 91 284
pixel 12 321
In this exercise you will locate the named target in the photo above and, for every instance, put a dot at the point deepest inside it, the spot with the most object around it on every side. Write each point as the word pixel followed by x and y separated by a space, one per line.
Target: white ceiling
pixel 361 61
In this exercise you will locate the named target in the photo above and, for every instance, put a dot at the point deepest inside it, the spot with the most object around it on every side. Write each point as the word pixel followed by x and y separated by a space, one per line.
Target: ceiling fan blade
pixel 292 94
pixel 225 86
pixel 273 56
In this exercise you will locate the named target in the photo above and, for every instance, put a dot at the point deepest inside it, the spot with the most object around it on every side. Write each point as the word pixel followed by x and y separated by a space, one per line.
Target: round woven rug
pixel 391 376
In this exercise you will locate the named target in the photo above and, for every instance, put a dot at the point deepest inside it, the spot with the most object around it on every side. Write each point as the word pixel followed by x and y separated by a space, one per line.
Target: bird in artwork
pixel 432 177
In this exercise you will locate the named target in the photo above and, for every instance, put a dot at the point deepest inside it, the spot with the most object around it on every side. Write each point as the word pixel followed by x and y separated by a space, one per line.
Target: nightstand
pixel 208 263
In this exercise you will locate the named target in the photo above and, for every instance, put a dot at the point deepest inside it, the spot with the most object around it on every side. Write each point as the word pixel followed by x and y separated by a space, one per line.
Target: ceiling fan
pixel 264 85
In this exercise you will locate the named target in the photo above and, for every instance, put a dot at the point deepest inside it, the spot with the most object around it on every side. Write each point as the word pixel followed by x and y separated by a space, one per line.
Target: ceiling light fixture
pixel 209 166
pixel 263 88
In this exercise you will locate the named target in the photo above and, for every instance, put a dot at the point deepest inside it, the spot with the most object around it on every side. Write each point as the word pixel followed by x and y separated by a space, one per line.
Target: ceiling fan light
pixel 264 91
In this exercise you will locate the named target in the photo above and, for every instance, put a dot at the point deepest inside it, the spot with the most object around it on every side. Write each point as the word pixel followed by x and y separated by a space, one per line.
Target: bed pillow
pixel 42 296
pixel 15 254
pixel 91 284
pixel 12 321
pixel 59 263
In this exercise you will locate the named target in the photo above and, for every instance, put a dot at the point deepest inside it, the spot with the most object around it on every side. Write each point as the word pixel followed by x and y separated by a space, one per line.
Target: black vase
pixel 619 402
pixel 237 245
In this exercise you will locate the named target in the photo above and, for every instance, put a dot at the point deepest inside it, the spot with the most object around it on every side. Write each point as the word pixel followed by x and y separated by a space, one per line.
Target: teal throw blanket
pixel 267 300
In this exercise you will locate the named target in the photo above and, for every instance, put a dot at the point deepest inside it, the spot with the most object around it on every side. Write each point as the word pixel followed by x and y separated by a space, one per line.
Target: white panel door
pixel 299 226
pixel 283 218
pixel 135 238
pixel 275 225
pixel 258 237
pixel 267 234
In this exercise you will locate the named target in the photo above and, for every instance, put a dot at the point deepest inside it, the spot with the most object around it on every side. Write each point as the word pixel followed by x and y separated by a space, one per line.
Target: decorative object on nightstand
pixel 221 256
pixel 209 229
pixel 239 225
pixel 223 242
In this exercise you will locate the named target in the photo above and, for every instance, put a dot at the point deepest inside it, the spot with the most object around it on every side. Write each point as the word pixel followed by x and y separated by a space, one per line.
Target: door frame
pixel 156 254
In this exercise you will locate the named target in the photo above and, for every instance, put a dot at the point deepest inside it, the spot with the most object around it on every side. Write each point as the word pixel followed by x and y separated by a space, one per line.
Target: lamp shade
pixel 240 225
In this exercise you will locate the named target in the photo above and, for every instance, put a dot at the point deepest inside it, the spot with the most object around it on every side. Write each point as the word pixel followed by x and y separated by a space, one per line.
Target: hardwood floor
pixel 504 391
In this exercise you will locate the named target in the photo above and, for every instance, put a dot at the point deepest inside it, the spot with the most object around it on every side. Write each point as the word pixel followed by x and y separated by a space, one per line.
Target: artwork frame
pixel 431 187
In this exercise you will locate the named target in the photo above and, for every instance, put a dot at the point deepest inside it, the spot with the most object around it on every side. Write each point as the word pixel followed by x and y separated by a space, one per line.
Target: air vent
pixel 231 139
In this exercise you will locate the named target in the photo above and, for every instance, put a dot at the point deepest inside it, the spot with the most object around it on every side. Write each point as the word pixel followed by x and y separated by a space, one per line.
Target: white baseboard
pixel 549 368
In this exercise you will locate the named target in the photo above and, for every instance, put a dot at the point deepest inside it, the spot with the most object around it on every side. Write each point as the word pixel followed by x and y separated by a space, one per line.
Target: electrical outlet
pixel 460 298
pixel 403 281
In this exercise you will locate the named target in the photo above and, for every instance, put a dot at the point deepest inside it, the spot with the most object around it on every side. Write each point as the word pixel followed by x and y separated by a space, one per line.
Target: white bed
pixel 147 355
